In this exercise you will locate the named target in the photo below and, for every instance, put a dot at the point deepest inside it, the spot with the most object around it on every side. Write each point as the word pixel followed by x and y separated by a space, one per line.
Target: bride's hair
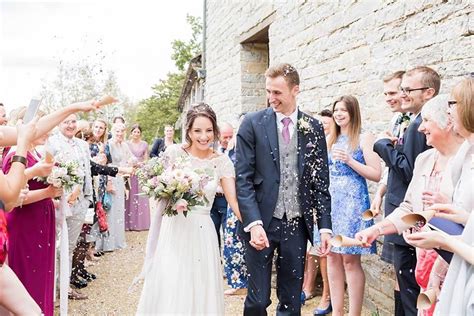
pixel 201 110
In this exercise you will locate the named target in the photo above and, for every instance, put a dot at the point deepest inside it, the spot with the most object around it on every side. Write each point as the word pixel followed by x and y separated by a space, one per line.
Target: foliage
pixel 161 108
pixel 183 51
pixel 82 81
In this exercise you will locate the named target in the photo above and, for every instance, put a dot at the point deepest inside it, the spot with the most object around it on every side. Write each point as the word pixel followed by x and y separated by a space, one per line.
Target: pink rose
pixel 181 205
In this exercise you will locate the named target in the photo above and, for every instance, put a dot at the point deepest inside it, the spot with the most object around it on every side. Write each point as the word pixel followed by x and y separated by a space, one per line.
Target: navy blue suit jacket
pixel 401 161
pixel 258 170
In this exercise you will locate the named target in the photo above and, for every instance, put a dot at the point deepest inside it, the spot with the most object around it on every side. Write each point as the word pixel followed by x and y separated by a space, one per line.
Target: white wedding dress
pixel 184 276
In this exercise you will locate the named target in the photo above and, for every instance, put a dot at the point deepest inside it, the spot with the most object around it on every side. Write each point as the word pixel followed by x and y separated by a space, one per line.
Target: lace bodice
pixel 220 165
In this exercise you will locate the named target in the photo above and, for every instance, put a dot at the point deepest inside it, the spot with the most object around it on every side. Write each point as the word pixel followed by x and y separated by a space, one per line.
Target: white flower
pixel 304 125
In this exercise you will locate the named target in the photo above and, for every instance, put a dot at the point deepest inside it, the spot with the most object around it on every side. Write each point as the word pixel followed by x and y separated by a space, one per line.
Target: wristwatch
pixel 20 159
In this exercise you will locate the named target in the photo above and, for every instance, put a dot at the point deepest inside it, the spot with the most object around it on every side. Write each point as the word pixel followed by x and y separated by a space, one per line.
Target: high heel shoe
pixel 319 311
pixel 304 298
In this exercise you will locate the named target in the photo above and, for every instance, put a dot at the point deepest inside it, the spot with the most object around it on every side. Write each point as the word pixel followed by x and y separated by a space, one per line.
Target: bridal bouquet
pixel 65 174
pixel 178 183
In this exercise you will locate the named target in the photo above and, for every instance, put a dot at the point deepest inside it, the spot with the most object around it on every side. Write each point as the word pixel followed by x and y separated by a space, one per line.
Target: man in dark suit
pixel 282 180
pixel 160 144
pixel 418 85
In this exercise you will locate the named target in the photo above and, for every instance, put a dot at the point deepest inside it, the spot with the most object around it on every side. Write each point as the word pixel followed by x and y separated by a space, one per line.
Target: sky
pixel 131 37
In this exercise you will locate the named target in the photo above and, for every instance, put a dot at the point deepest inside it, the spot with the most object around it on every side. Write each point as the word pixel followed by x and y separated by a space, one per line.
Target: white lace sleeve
pixel 225 167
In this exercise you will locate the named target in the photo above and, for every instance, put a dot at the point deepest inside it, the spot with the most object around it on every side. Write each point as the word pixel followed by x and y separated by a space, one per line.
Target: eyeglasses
pixel 451 104
pixel 408 90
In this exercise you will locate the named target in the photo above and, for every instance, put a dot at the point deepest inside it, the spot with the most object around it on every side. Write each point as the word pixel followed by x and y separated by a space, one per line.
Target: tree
pixel 82 81
pixel 161 108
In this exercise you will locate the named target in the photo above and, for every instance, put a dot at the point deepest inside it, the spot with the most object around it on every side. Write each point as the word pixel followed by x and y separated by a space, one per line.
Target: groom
pixel 282 181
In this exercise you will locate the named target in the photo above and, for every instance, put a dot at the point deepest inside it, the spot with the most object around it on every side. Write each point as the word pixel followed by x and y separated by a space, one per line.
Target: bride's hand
pixel 258 237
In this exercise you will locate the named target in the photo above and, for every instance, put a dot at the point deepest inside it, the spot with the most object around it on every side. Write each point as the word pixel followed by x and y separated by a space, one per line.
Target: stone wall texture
pixel 339 47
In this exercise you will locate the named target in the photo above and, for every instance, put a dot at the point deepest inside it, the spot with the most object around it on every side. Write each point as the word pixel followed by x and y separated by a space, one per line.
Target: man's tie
pixel 285 133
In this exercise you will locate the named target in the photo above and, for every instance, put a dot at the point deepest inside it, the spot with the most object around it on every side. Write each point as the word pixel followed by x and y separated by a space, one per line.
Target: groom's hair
pixel 286 71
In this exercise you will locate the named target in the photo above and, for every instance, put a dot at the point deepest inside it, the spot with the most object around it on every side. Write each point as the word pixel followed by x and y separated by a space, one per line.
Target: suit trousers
pixel 288 238
pixel 405 264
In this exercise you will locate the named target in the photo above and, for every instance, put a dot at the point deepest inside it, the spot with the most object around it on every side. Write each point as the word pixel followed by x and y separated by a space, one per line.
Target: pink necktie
pixel 285 133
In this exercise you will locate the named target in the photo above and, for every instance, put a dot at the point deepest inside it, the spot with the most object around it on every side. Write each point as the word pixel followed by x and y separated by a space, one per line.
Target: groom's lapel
pixel 271 131
pixel 301 148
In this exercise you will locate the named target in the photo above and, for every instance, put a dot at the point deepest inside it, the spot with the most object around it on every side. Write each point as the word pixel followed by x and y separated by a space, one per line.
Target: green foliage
pixel 79 82
pixel 161 108
pixel 184 51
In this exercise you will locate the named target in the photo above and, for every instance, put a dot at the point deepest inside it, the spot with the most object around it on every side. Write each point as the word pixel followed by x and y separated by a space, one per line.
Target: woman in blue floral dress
pixel 234 262
pixel 352 162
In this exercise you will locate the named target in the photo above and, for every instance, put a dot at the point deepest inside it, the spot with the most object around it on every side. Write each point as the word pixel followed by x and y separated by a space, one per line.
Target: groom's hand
pixel 258 237
pixel 325 245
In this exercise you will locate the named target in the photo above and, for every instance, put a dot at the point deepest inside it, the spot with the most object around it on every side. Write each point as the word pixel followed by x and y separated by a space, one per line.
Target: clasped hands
pixel 259 240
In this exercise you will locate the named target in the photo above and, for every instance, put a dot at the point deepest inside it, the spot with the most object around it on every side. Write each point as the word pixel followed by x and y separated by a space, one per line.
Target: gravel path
pixel 108 295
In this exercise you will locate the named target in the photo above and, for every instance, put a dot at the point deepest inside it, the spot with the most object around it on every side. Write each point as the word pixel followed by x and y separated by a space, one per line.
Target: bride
pixel 184 275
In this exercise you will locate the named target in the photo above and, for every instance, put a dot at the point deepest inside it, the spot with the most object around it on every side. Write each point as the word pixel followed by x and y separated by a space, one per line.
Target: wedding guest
pixel 351 163
pixel 430 165
pixel 325 116
pixel 160 144
pixel 13 295
pixel 397 126
pixel 418 85
pixel 274 145
pixel 32 230
pixel 65 146
pixel 137 209
pixel 185 257
pixel 88 235
pixel 461 273
pixel 219 207
pixel 118 119
pixel 234 252
pixel 121 157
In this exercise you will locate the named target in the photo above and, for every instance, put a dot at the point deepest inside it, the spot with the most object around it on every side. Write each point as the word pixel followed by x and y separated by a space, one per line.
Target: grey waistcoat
pixel 287 202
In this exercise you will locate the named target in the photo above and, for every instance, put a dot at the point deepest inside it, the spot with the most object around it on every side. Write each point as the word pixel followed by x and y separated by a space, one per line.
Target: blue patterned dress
pixel 234 263
pixel 349 199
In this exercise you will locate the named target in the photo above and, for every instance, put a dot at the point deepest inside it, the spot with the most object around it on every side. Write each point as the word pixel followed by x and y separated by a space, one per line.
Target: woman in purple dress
pixel 137 210
pixel 31 229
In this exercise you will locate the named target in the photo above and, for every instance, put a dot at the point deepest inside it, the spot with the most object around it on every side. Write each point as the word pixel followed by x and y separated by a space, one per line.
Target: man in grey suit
pixel 70 148
pixel 282 182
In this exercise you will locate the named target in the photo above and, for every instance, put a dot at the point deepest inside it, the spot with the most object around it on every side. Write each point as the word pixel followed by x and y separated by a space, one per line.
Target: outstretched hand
pixel 450 212
pixel 258 237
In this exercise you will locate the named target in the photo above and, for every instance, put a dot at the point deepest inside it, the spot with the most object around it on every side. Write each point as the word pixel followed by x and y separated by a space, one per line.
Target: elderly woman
pixel 431 164
pixel 457 295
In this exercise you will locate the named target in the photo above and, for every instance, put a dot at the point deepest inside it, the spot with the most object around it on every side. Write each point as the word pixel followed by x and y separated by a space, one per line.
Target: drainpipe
pixel 203 53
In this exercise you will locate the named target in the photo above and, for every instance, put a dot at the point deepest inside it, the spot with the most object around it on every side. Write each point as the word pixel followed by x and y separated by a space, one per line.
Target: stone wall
pixel 339 47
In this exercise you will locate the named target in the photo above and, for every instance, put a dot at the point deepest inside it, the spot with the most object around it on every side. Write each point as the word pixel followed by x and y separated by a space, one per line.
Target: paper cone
pixel 105 101
pixel 343 241
pixel 418 219
pixel 368 215
pixel 426 299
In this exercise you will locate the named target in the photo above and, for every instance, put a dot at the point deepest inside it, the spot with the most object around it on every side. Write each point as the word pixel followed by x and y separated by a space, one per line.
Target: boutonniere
pixel 304 125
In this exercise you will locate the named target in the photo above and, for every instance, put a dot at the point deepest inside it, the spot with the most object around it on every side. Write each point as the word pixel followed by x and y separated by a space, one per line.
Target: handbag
pixel 107 201
pixel 101 217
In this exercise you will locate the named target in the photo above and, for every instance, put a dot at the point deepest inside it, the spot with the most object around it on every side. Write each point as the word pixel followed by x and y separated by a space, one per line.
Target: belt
pixel 220 194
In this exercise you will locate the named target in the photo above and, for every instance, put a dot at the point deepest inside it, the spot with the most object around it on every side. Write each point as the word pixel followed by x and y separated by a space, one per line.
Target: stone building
pixel 339 47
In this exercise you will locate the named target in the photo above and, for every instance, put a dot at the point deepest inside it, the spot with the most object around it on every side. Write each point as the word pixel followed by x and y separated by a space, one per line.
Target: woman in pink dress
pixel 137 210
pixel 32 233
